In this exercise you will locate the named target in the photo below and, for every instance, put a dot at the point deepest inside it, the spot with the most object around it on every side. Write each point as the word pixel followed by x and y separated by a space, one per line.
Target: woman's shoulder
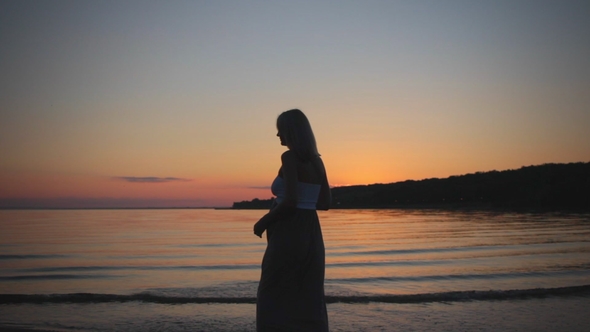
pixel 289 156
pixel 292 155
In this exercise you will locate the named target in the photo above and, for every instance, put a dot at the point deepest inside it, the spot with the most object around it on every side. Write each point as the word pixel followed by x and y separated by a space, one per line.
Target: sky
pixel 174 103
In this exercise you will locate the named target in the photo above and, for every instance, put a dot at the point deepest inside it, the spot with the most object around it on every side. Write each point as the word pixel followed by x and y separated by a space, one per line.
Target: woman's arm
pixel 289 203
pixel 325 197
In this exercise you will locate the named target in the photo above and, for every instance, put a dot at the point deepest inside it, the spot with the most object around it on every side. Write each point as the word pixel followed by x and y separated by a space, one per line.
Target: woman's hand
pixel 260 227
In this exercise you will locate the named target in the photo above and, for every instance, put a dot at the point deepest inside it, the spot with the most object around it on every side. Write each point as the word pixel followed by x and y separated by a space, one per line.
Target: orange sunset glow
pixel 115 104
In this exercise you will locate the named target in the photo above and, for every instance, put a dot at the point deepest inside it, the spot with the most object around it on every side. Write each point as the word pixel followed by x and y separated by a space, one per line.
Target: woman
pixel 291 290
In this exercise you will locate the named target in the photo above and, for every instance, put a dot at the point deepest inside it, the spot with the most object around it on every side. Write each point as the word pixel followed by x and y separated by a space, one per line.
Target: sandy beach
pixel 547 314
pixel 17 329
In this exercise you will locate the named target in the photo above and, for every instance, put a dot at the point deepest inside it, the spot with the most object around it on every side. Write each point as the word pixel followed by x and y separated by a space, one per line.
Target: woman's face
pixel 282 138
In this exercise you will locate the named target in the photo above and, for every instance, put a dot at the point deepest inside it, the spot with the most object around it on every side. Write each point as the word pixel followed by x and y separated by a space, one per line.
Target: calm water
pixel 158 261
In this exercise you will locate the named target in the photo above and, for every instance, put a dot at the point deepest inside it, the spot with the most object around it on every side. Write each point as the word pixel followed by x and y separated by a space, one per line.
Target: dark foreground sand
pixel 548 314
pixel 14 329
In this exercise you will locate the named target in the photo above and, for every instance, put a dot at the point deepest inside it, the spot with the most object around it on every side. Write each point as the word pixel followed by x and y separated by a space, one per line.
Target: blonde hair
pixel 296 130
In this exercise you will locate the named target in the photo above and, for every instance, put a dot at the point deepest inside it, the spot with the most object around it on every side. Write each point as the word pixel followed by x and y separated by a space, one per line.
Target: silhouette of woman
pixel 291 290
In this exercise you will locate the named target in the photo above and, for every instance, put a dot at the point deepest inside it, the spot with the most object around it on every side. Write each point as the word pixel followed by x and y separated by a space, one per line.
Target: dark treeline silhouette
pixel 253 204
pixel 545 187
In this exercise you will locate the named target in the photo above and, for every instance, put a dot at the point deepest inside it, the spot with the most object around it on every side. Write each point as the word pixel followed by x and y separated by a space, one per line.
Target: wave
pixel 482 276
pixel 87 269
pixel 105 272
pixel 219 245
pixel 506 250
pixel 55 277
pixel 583 290
pixel 15 257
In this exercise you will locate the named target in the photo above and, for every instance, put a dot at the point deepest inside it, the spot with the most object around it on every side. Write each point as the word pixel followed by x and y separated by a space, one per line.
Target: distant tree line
pixel 547 187
pixel 253 204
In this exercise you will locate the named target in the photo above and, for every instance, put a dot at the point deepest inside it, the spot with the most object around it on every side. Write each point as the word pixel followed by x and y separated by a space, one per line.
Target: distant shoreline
pixel 408 207
pixel 458 209
pixel 547 187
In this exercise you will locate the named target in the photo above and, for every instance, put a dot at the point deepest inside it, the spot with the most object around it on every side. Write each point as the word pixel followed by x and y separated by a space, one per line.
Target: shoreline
pixel 451 208
pixel 543 315
pixel 5 328
pixel 423 207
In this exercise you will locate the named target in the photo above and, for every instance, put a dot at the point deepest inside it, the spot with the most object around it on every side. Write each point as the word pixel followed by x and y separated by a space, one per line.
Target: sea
pixel 386 270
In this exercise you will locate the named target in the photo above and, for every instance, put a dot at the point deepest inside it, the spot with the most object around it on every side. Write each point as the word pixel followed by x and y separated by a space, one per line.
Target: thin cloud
pixel 258 187
pixel 149 179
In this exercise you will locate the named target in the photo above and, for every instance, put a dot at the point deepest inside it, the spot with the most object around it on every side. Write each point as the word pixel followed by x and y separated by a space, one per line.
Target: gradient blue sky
pixel 99 97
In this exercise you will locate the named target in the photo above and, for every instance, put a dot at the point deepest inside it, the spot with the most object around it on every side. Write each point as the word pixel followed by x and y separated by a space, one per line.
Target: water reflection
pixel 367 251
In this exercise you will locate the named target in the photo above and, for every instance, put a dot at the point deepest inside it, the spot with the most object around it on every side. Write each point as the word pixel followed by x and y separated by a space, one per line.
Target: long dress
pixel 291 290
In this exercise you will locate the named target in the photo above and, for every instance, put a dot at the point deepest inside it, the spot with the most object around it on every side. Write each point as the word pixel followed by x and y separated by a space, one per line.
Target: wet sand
pixel 568 313
pixel 16 329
